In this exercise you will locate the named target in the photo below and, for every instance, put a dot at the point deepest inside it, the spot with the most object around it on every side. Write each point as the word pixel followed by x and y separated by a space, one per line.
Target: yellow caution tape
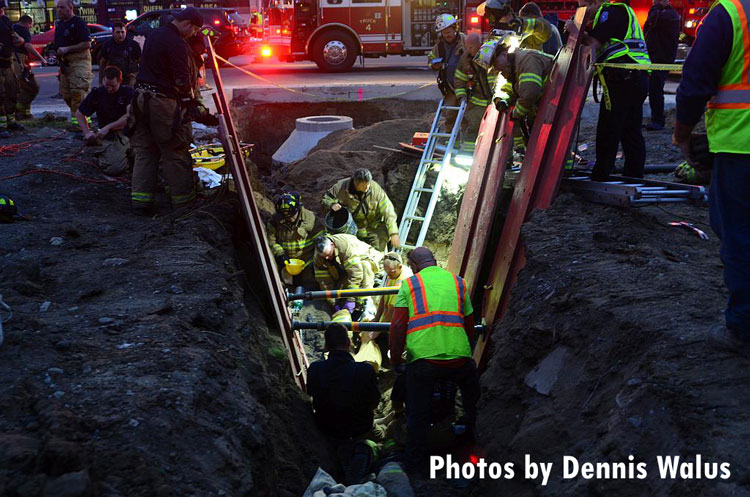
pixel 323 97
pixel 643 67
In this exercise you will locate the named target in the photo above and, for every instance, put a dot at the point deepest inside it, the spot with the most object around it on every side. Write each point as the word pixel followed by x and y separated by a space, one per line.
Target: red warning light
pixel 475 19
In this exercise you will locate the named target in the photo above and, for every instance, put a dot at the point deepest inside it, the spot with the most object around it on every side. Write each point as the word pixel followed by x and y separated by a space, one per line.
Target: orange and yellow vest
pixel 728 113
pixel 437 302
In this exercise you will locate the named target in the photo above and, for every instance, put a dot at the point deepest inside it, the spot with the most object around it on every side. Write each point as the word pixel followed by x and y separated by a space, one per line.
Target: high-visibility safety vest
pixel 728 113
pixel 634 43
pixel 437 302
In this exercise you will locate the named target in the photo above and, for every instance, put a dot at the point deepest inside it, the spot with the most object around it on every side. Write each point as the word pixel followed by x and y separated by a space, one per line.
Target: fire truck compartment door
pixel 369 21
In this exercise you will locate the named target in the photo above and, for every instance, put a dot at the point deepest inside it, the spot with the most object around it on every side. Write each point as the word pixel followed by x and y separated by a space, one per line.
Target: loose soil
pixel 139 359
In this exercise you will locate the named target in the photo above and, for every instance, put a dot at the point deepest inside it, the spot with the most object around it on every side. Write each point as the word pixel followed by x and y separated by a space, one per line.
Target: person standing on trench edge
pixel 716 72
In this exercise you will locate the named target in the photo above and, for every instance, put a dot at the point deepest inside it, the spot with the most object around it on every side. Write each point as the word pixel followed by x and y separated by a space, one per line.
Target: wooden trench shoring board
pixel 272 283
pixel 548 148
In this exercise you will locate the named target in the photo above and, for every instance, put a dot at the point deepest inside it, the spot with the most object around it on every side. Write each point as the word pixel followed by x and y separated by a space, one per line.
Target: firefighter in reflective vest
pixel 343 262
pixel 433 322
pixel 291 232
pixel 526 72
pixel 716 72
pixel 617 38
pixel 370 207
pixel 444 58
pixel 475 85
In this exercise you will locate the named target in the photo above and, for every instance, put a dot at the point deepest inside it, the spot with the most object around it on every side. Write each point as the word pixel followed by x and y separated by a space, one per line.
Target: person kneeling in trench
pixel 110 104
pixel 345 394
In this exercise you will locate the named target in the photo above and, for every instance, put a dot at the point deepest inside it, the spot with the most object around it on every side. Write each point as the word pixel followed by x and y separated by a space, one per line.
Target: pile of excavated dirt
pixel 138 360
pixel 620 302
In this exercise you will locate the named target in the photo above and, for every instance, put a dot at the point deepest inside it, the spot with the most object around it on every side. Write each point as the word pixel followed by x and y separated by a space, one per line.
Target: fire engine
pixel 334 32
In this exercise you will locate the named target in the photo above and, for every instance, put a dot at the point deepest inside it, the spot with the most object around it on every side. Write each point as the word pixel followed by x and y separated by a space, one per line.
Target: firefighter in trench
pixel 291 233
pixel 370 207
pixel 343 262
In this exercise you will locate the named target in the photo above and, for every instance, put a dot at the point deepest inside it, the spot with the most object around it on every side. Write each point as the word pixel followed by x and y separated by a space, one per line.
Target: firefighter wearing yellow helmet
pixel 444 59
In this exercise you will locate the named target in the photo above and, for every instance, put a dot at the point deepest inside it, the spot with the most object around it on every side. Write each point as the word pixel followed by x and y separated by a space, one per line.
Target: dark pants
pixel 420 385
pixel 656 95
pixel 729 208
pixel 621 124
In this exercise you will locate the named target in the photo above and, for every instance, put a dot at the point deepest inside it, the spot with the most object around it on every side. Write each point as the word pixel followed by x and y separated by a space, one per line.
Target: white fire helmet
pixel 444 21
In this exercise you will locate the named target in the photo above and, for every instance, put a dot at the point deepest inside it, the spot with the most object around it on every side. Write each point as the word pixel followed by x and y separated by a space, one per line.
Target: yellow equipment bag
pixel 212 156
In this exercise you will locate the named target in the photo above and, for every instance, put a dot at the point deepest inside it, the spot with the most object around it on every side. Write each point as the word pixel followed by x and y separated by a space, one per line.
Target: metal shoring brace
pixel 7 309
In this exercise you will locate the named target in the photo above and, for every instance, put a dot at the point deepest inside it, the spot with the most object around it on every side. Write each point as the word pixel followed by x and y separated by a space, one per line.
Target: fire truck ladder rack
pixel 633 192
pixel 267 266
pixel 430 162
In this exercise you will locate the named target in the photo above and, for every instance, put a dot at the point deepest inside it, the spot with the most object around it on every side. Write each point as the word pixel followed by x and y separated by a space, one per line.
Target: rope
pixel 14 148
pixel 322 97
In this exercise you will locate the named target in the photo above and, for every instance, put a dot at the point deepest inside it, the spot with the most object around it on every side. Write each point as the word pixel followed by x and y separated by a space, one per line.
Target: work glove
pixel 281 260
pixel 501 105
pixel 349 305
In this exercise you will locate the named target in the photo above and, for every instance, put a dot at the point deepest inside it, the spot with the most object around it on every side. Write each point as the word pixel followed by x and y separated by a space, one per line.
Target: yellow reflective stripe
pixel 530 77
pixel 520 109
pixel 277 249
pixel 461 76
pixel 353 261
pixel 479 101
pixel 460 92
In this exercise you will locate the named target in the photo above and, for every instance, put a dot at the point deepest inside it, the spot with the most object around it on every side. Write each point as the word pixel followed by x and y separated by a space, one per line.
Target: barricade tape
pixel 643 67
pixel 322 97
pixel 630 67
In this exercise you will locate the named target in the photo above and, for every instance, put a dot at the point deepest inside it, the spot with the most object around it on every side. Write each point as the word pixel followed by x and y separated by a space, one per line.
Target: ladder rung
pixel 446 135
pixel 414 218
pixel 406 246
pixel 424 190
pixel 450 107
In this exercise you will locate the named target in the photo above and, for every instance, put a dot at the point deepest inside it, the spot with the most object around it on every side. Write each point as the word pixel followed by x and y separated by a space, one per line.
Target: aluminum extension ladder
pixel 631 192
pixel 438 142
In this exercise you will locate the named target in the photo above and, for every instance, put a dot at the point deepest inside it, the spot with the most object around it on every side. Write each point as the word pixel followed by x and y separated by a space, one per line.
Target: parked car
pixel 233 35
pixel 45 42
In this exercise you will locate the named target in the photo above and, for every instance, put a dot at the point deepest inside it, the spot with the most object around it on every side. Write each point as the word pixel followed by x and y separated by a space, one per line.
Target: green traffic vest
pixel 436 318
pixel 634 44
pixel 728 113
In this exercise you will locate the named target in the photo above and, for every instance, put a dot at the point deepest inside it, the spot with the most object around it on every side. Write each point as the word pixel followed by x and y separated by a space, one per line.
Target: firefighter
pixel 28 88
pixel 344 262
pixel 433 323
pixel 475 85
pixel 533 14
pixel 526 71
pixel 370 206
pixel 444 58
pixel 616 37
pixel 110 104
pixel 532 31
pixel 161 111
pixel 291 232
pixel 121 52
pixel 8 86
pixel 73 42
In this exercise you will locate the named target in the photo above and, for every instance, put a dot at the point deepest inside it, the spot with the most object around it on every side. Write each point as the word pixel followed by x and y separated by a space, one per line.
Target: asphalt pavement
pixel 390 72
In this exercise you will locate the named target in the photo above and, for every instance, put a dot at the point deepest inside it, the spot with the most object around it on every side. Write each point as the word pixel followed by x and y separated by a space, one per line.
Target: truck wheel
pixel 334 51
